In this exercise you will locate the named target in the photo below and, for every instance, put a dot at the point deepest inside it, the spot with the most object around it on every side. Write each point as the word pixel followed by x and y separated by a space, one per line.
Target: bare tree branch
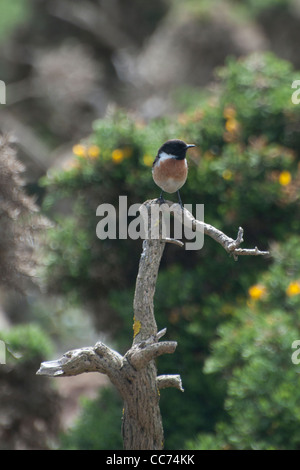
pixel 165 381
pixel 135 373
pixel 229 244
pixel 99 358
pixel 139 355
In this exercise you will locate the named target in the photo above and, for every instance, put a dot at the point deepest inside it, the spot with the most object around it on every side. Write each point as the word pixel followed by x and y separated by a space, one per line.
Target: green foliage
pixel 237 8
pixel 246 172
pixel 99 426
pixel 258 6
pixel 26 342
pixel 12 14
pixel 27 399
pixel 254 353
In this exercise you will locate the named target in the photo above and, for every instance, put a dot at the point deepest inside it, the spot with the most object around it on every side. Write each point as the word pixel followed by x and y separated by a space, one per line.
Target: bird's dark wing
pixel 156 160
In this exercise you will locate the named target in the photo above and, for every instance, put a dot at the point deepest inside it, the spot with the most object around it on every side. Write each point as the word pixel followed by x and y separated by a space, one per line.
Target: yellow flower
pixel 118 155
pixel 232 125
pixel 285 178
pixel 79 150
pixel 293 289
pixel 227 174
pixel 93 151
pixel 257 291
pixel 148 160
pixel 229 112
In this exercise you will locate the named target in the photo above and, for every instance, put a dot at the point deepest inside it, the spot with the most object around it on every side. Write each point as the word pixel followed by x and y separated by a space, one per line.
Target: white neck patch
pixel 167 156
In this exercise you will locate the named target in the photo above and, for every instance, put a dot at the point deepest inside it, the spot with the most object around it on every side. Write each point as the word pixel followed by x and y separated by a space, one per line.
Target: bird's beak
pixel 190 146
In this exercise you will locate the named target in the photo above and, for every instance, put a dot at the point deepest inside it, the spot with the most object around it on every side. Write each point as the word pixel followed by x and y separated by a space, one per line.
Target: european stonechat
pixel 170 168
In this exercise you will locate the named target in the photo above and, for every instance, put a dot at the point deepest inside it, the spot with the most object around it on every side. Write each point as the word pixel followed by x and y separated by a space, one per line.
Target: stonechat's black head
pixel 175 147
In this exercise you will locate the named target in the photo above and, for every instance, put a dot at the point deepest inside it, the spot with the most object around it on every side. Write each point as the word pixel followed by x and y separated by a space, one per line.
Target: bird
pixel 170 168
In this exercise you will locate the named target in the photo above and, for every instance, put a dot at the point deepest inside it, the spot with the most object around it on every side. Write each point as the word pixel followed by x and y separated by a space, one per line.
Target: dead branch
pixel 135 373
pixel 229 244
pixel 165 381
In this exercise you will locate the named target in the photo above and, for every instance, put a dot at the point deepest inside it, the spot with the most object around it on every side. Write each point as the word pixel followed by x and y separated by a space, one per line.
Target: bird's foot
pixel 160 200
pixel 179 200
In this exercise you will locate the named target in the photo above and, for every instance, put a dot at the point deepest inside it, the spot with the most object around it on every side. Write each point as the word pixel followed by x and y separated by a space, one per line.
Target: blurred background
pixel 93 88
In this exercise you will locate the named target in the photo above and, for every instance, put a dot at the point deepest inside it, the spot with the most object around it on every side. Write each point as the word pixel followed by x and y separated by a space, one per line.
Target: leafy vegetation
pixel 12 14
pixel 246 172
pixel 253 353
pixel 86 434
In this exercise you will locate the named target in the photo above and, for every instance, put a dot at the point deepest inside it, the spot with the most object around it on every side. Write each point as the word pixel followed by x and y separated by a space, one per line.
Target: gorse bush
pixel 245 170
pixel 254 353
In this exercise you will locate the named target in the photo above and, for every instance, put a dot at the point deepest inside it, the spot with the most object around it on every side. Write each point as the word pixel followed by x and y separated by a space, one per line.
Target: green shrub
pixel 12 14
pixel 99 425
pixel 26 342
pixel 254 352
pixel 246 172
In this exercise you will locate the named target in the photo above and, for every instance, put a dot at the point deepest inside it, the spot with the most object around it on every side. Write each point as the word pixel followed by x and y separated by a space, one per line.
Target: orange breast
pixel 170 174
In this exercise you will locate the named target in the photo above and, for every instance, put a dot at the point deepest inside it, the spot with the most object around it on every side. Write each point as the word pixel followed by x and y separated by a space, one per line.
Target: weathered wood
pixel 135 373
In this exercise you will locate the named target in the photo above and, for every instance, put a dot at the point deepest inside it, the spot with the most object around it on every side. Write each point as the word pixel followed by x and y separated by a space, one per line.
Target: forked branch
pixel 229 244
pixel 135 373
